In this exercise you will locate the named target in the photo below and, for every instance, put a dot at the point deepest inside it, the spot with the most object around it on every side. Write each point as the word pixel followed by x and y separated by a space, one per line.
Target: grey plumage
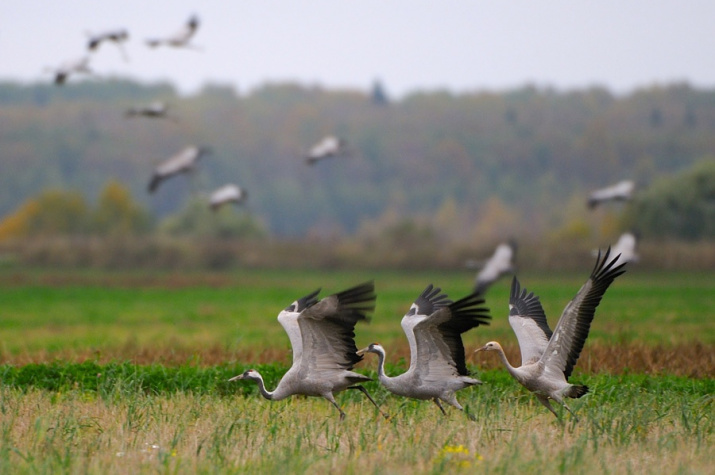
pixel 434 326
pixel 498 265
pixel 621 191
pixel 323 340
pixel 183 162
pixel 548 358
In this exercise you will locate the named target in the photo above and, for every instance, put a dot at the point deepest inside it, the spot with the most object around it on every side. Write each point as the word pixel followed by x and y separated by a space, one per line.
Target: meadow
pixel 126 372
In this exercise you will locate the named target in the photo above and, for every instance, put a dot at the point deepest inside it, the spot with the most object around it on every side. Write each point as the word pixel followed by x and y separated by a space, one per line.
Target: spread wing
pixel 438 338
pixel 429 301
pixel 527 319
pixel 288 319
pixel 328 329
pixel 570 333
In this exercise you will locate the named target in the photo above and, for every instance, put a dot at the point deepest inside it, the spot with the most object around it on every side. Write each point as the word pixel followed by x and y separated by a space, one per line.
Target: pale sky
pixel 410 45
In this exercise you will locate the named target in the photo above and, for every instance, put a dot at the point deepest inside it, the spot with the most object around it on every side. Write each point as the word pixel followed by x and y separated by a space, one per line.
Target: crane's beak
pixel 484 348
pixel 236 378
pixel 362 352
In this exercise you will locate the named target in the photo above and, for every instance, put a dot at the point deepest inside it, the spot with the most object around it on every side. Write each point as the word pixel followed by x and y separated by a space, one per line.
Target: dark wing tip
pixel 359 299
pixel 308 301
pixel 431 299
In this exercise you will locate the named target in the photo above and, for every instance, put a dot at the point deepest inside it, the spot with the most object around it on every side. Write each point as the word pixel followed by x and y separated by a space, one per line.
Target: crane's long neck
pixel 512 370
pixel 262 388
pixel 381 376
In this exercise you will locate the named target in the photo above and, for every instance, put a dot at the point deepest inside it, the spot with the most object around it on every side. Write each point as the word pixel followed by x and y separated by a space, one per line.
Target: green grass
pixel 114 416
pixel 235 311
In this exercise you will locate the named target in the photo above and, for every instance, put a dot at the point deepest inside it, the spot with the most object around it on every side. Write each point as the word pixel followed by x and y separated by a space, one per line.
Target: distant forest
pixel 471 165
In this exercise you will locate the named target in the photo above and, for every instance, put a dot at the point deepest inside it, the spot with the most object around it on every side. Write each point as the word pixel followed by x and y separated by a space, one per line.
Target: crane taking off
pixel 434 326
pixel 547 359
pixel 322 334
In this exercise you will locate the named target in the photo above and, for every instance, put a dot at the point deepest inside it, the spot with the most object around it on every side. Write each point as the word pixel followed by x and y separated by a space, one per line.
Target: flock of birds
pixel 322 336
pixel 184 162
pixel 322 332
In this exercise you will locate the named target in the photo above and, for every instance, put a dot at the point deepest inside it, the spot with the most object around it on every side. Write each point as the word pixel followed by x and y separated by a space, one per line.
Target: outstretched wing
pixel 288 318
pixel 438 338
pixel 570 333
pixel 429 301
pixel 328 329
pixel 527 319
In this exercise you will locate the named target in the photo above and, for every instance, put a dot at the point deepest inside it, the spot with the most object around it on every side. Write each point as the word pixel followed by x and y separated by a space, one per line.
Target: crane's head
pixel 491 346
pixel 248 374
pixel 372 348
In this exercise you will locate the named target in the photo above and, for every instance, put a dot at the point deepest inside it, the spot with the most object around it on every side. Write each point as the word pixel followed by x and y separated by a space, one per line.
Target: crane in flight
pixel 498 265
pixel 183 162
pixel 621 191
pixel 227 194
pixel 548 358
pixel 322 335
pixel 328 147
pixel 179 39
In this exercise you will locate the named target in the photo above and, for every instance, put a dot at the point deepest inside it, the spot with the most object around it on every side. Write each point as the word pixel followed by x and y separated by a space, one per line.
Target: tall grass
pixel 628 425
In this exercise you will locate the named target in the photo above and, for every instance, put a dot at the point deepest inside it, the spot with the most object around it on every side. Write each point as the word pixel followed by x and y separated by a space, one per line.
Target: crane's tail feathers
pixel 576 392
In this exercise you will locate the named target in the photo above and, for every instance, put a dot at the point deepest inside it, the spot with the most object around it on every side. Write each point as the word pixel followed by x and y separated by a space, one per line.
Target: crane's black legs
pixel 364 391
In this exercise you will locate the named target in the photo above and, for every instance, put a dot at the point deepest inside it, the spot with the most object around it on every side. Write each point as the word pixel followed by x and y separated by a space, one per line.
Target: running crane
pixel 433 326
pixel 547 359
pixel 323 340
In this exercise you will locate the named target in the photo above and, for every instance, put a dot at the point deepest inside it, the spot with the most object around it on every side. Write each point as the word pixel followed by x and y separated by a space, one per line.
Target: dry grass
pixel 695 360
pixel 78 432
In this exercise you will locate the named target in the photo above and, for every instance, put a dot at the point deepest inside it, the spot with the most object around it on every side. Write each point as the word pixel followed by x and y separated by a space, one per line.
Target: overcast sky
pixel 410 45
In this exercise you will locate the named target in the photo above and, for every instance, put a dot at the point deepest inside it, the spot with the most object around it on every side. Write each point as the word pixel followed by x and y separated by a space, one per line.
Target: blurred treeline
pixel 434 177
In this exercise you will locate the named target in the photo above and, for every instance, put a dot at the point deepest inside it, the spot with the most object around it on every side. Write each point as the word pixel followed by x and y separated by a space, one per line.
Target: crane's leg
pixel 452 399
pixel 439 404
pixel 569 409
pixel 364 391
pixel 545 401
pixel 329 397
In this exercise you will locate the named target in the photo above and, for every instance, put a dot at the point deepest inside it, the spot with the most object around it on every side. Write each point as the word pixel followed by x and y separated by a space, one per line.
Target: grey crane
pixel 433 326
pixel 183 162
pixel 322 336
pixel 547 358
pixel 328 147
pixel 117 37
pixel 69 67
pixel 227 194
pixel 153 110
pixel 621 191
pixel 625 247
pixel 179 39
pixel 498 265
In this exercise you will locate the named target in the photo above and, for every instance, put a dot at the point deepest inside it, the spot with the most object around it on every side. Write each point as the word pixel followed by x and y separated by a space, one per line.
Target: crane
pixel 154 110
pixel 183 162
pixel 181 38
pixel 625 247
pixel 621 191
pixel 227 194
pixel 433 326
pixel 117 37
pixel 322 336
pixel 67 68
pixel 329 146
pixel 499 264
pixel 548 358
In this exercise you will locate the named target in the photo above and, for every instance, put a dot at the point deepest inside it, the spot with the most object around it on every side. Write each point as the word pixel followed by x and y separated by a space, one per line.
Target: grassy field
pixel 126 373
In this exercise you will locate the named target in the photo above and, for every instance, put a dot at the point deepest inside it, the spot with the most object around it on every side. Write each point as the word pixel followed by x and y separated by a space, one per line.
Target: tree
pixel 682 206
pixel 117 213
